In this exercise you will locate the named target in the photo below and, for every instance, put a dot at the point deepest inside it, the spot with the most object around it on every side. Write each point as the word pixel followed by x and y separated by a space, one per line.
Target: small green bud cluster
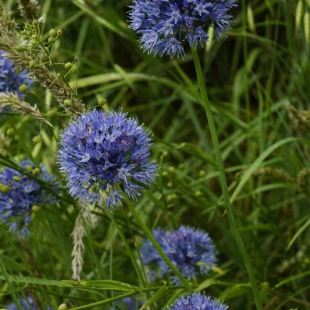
pixel 71 66
pixel 32 32
pixel 54 35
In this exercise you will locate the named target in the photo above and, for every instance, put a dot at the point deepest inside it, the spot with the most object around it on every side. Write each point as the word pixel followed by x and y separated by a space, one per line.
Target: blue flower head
pixel 190 250
pixel 165 24
pixel 19 193
pixel 99 150
pixel 197 301
pixel 25 304
pixel 10 81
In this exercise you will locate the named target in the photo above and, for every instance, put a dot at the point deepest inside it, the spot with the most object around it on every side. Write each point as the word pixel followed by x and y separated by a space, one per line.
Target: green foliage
pixel 252 79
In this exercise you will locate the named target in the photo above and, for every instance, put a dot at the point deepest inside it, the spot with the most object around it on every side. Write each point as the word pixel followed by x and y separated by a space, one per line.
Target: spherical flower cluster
pixel 190 250
pixel 25 304
pixel 197 301
pixel 19 193
pixel 165 24
pixel 10 81
pixel 100 150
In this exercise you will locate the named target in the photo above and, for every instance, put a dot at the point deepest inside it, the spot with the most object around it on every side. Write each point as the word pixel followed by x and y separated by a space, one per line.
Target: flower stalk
pixel 156 245
pixel 223 180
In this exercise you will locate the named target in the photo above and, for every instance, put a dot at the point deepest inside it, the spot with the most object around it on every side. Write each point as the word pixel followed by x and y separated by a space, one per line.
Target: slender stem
pixel 219 160
pixel 157 246
pixel 141 276
pixel 103 302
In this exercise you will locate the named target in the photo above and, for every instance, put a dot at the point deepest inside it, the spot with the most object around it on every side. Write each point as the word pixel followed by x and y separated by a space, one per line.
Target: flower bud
pixel 51 39
pixel 52 32
pixel 4 188
pixel 16 138
pixel 74 68
pixel 202 173
pixel 171 169
pixel 62 307
pixel 59 32
pixel 29 168
pixel 36 139
pixel 170 184
pixel 23 88
pixel 35 209
pixel 67 102
pixel 68 65
pixel 36 171
pixel 16 178
pixel 35 22
pixel 102 101
pixel 10 131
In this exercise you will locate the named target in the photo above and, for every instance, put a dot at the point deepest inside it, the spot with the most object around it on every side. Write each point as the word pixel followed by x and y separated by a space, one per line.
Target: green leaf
pixel 301 275
pixel 109 285
pixel 235 291
pixel 39 281
pixel 155 297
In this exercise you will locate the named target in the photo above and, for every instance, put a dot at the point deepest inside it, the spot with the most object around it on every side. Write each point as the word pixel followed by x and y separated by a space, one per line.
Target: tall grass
pixel 258 86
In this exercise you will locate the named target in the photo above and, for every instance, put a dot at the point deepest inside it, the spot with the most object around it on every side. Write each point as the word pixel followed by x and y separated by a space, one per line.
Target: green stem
pixel 219 160
pixel 132 257
pixel 157 246
pixel 103 302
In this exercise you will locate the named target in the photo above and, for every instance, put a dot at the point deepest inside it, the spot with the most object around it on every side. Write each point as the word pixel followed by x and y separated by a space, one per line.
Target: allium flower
pixel 197 301
pixel 10 81
pixel 99 150
pixel 25 304
pixel 190 250
pixel 165 24
pixel 19 193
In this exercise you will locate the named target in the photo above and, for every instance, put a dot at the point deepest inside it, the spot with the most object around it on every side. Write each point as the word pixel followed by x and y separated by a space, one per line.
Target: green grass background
pixel 252 77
